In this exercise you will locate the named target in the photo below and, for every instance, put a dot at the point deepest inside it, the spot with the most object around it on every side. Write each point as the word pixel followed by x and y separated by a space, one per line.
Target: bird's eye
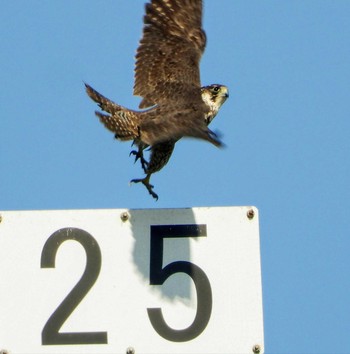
pixel 216 89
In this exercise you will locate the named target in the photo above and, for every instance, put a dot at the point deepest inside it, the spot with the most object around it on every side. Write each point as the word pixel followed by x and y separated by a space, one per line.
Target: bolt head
pixel 124 216
pixel 256 349
pixel 250 214
pixel 130 350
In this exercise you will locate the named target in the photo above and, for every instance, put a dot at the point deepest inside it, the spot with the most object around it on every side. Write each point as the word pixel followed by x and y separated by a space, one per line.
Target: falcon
pixel 167 77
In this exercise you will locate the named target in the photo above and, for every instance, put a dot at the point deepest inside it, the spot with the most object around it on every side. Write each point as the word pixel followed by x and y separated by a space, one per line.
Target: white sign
pixel 131 281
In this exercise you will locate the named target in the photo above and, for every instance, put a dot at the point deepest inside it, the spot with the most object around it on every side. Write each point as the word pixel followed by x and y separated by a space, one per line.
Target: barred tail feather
pixel 123 128
pixel 105 104
pixel 121 121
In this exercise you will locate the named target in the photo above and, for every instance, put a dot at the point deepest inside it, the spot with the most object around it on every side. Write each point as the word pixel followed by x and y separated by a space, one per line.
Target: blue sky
pixel 286 129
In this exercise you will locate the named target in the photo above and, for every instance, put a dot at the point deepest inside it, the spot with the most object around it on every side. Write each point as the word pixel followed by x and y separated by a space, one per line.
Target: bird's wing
pixel 167 59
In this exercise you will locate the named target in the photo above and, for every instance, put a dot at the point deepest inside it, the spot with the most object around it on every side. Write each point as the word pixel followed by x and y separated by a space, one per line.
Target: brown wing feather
pixel 167 59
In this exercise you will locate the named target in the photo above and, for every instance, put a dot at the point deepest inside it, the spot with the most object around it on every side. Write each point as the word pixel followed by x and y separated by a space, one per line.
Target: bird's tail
pixel 121 121
pixel 104 103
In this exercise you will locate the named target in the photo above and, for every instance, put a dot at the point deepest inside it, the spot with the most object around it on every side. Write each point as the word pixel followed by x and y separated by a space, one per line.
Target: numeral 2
pixel 50 334
pixel 158 275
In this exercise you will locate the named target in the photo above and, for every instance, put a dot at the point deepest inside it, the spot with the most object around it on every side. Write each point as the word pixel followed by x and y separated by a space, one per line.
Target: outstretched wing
pixel 167 60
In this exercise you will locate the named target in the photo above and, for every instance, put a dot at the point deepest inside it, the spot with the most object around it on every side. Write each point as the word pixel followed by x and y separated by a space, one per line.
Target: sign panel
pixel 131 281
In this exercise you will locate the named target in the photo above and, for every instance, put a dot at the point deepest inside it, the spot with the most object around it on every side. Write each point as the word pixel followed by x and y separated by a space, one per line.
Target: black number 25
pixel 158 275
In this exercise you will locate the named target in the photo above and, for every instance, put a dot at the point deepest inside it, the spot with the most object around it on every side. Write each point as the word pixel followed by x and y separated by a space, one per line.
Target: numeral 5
pixel 158 275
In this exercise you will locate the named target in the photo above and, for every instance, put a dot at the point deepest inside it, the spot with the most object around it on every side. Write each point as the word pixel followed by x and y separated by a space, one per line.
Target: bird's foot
pixel 139 155
pixel 145 182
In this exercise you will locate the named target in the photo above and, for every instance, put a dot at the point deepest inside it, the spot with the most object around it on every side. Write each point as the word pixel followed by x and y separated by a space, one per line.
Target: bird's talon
pixel 149 186
pixel 139 155
pixel 136 180
pixel 154 195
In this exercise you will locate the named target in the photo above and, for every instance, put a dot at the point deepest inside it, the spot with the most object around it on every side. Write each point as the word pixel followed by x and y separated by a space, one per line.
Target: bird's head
pixel 214 96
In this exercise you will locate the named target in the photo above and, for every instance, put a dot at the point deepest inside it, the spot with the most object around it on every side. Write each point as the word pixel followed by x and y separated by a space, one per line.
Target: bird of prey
pixel 167 77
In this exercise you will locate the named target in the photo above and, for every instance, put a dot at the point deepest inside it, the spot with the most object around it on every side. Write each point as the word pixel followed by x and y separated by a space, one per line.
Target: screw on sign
pixel 256 349
pixel 124 216
pixel 130 350
pixel 250 214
